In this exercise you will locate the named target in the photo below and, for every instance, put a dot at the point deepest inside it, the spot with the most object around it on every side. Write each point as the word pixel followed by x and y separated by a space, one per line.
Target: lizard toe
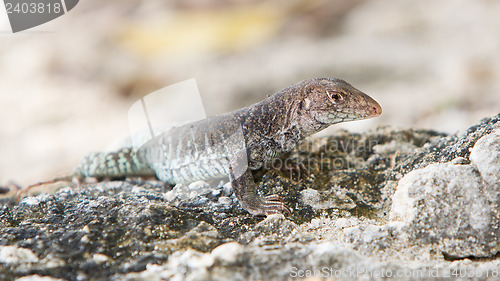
pixel 274 204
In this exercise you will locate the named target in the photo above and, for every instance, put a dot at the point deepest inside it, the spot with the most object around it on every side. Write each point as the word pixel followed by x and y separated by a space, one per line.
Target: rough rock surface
pixel 398 204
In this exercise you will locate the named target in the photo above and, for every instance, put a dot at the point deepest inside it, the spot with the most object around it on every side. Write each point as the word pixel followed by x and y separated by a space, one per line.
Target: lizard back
pixel 197 151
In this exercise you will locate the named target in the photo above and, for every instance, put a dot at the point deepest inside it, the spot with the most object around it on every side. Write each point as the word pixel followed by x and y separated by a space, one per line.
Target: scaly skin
pixel 240 141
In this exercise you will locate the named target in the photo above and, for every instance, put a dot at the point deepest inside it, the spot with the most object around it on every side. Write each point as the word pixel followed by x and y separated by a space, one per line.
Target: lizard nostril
pixel 377 110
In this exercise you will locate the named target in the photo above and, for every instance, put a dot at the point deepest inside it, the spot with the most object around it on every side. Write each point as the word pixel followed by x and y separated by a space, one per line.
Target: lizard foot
pixel 245 189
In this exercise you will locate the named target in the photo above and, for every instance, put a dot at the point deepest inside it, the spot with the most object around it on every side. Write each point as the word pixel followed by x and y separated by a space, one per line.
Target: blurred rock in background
pixel 66 86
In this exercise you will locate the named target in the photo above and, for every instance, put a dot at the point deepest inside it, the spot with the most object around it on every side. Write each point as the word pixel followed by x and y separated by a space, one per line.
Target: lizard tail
pixel 23 190
pixel 122 163
pixel 125 162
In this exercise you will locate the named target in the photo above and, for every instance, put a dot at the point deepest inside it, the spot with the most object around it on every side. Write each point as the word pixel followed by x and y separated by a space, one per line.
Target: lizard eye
pixel 334 96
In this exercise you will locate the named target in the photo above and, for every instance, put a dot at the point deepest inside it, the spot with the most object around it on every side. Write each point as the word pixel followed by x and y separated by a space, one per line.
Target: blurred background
pixel 66 86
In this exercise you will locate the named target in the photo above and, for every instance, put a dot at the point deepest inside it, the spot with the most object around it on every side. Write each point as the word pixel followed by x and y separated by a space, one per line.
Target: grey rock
pixel 417 202
pixel 446 204
pixel 454 206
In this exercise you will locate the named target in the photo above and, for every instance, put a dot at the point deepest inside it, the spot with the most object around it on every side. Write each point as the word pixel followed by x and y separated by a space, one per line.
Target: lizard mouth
pixel 363 108
pixel 329 118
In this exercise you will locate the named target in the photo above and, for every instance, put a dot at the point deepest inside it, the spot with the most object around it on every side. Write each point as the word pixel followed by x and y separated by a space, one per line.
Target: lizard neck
pixel 271 127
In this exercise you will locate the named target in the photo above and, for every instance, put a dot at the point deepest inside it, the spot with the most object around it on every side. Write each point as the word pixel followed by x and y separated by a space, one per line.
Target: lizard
pixel 235 143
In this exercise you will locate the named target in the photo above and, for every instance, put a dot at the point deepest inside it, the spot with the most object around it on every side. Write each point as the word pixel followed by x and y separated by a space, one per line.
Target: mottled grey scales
pixel 240 141
pixel 113 164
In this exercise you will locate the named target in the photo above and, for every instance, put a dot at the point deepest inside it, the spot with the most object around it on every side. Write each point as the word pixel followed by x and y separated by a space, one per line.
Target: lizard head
pixel 329 101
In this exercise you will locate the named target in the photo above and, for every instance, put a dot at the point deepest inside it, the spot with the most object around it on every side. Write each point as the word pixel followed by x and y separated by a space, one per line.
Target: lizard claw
pixel 264 206
pixel 274 204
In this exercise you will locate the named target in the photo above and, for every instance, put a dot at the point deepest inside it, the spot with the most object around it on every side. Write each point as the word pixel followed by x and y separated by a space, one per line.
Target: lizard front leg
pixel 245 190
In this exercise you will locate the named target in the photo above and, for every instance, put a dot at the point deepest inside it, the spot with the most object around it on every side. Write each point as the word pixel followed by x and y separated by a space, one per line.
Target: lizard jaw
pixel 369 108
